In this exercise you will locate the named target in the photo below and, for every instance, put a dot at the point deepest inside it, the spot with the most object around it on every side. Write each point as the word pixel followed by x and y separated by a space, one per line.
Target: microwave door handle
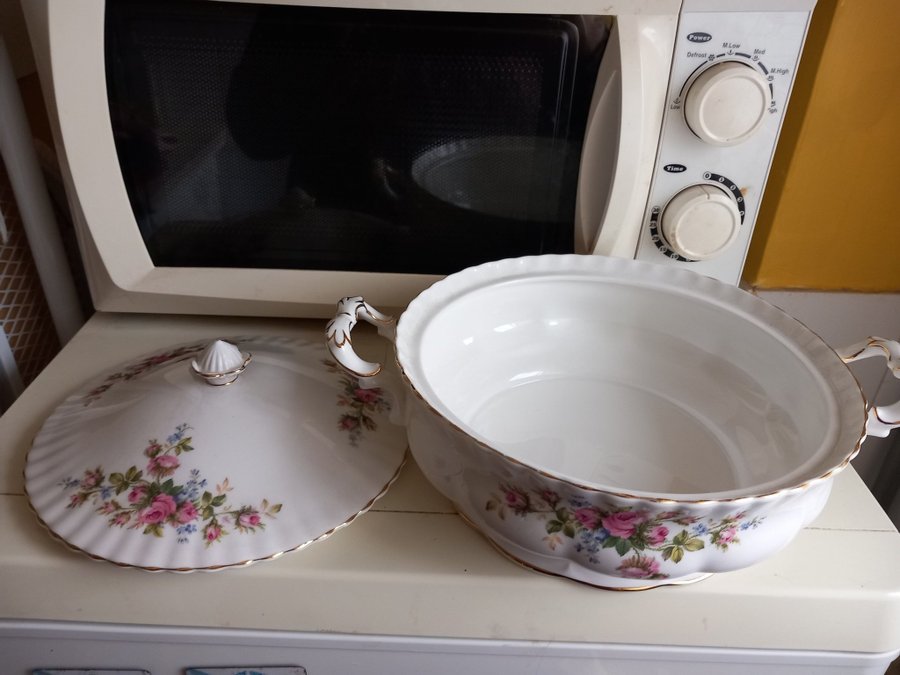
pixel 624 124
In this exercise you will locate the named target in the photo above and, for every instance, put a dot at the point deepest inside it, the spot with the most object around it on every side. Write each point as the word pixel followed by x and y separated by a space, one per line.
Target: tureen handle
pixel 882 418
pixel 337 334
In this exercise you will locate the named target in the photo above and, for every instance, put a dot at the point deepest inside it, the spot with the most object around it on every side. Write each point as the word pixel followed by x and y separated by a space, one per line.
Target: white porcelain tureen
pixel 623 424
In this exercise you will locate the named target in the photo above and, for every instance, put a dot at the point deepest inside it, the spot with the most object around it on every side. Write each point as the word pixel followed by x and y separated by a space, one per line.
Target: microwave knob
pixel 727 103
pixel 700 222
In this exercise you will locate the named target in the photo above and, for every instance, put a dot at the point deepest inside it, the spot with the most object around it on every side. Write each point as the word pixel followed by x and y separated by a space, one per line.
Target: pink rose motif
pixel 77 499
pixel 658 535
pixel 160 508
pixel 91 479
pixel 550 497
pixel 589 517
pixel 367 395
pixel 727 535
pixel 212 532
pixel 153 449
pixel 121 519
pixel 249 519
pixel 517 500
pixel 348 423
pixel 137 494
pixel 187 512
pixel 624 523
pixel 163 465
pixel 639 567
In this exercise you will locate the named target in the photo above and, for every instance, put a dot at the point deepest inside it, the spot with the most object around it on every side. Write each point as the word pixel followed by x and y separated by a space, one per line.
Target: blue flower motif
pixel 578 503
pixel 178 435
pixel 183 531
pixel 699 529
pixel 106 492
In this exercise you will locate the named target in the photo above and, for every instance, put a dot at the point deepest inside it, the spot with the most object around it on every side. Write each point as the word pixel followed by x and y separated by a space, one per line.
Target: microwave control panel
pixel 731 78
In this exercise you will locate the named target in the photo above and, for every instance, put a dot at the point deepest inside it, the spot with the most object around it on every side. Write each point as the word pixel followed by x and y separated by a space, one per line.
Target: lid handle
pixel 220 363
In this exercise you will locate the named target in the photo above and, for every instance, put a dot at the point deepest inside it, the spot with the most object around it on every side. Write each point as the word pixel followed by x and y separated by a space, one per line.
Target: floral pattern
pixel 361 404
pixel 150 500
pixel 642 538
pixel 139 368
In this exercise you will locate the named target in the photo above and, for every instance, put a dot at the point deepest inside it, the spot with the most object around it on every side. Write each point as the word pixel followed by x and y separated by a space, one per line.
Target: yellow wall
pixel 830 217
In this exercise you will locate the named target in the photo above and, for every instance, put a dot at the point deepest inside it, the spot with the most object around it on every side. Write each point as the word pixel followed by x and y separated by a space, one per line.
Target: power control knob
pixel 727 103
pixel 700 222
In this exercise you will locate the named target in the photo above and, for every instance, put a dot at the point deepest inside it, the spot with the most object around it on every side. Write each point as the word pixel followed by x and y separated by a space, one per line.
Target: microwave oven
pixel 267 157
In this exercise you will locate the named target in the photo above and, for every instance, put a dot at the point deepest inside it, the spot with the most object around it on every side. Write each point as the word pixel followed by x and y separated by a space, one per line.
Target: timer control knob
pixel 700 222
pixel 727 103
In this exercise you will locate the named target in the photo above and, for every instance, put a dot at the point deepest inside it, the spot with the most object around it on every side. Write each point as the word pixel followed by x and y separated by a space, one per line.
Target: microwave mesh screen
pixel 255 135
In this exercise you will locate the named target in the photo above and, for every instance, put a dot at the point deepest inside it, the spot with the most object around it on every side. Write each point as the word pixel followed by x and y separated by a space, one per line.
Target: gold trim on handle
pixel 210 378
pixel 337 334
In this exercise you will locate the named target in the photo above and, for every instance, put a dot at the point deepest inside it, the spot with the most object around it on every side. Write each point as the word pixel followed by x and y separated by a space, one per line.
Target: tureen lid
pixel 149 466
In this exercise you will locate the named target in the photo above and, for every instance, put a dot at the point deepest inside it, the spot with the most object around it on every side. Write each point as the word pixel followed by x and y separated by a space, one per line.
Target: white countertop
pixel 412 567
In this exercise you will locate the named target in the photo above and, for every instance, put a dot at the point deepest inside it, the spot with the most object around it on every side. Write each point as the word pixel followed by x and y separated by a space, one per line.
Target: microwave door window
pixel 306 138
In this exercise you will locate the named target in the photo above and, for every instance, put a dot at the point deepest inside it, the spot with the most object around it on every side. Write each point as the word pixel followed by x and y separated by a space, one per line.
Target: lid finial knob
pixel 220 363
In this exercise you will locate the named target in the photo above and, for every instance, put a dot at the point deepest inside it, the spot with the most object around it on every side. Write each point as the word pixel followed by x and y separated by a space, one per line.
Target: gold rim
pixel 210 378
pixel 216 568
pixel 805 485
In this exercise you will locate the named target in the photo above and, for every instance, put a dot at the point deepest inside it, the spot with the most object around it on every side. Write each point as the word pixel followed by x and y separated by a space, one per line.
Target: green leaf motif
pixel 653 536
pixel 159 498
pixel 694 544
pixel 623 546
pixel 118 482
pixel 156 529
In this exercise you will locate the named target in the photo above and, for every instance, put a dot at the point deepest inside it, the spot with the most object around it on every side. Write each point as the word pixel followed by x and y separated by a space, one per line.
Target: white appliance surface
pixel 410 588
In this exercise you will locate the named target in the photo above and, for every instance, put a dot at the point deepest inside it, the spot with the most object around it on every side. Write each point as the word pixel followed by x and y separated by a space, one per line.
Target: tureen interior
pixel 634 387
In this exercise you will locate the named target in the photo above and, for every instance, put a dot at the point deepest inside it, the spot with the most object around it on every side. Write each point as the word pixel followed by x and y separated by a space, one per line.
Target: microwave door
pixel 263 136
